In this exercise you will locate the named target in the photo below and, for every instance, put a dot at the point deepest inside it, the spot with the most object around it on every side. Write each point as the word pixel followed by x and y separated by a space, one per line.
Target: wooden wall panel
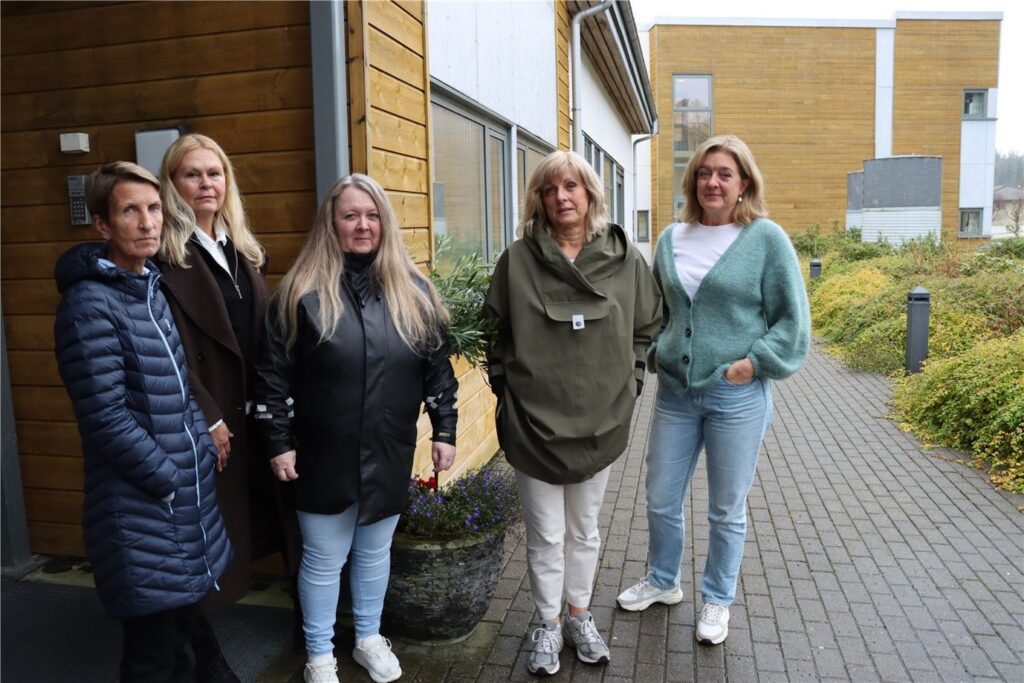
pixel 562 31
pixel 935 62
pixel 802 98
pixel 236 71
pixel 390 107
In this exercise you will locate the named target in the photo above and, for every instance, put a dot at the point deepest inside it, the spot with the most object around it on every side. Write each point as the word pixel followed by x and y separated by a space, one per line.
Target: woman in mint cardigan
pixel 735 317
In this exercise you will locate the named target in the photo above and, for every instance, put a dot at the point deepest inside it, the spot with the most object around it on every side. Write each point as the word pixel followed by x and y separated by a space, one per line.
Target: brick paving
pixel 868 558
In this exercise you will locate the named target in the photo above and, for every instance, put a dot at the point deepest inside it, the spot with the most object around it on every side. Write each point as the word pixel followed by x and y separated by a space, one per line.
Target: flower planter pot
pixel 440 589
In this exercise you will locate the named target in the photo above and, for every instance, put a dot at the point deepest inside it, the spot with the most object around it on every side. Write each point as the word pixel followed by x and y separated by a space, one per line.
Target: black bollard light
pixel 918 311
pixel 815 269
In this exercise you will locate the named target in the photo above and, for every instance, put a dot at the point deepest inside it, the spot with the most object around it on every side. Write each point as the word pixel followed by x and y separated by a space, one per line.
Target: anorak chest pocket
pixel 577 315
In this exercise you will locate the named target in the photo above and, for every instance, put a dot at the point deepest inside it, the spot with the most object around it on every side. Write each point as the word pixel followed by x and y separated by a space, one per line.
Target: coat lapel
pixel 199 297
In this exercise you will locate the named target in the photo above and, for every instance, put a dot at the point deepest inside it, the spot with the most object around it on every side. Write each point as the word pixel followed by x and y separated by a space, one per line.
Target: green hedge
pixel 973 402
pixel 858 307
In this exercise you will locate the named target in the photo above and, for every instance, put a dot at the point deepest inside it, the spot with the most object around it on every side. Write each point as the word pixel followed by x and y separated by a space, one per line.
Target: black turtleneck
pixel 358 273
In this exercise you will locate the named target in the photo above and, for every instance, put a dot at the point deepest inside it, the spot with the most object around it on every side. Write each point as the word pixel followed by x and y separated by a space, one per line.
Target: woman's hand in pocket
pixel 740 372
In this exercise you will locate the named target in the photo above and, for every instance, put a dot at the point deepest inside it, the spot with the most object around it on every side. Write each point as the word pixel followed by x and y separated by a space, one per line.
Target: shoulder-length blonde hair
pixel 753 204
pixel 180 221
pixel 553 165
pixel 415 308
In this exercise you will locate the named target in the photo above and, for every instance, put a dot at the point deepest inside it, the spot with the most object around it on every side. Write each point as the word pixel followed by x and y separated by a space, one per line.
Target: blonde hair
pixel 179 219
pixel 415 308
pixel 753 204
pixel 555 164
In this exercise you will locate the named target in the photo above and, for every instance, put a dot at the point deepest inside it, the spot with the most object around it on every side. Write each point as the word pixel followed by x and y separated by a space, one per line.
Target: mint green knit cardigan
pixel 752 303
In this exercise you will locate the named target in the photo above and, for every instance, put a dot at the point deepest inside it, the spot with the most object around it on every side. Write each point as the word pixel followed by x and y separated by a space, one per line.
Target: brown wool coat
pixel 221 382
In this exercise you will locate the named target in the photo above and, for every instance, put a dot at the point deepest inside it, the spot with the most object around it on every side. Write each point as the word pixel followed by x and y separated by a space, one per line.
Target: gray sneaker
pixel 644 594
pixel 543 660
pixel 582 635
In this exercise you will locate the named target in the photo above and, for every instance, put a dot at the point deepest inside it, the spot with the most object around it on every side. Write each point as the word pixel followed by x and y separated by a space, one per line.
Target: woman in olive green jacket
pixel 577 308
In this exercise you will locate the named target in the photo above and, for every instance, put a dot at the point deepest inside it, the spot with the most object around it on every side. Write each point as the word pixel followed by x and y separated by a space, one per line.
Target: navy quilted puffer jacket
pixel 153 532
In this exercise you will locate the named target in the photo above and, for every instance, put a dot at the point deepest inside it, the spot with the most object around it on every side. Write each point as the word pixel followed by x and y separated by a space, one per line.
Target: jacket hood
pixel 600 258
pixel 82 262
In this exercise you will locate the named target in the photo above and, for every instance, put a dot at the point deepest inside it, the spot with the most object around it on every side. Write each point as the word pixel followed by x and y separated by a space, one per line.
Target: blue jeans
pixel 728 421
pixel 326 541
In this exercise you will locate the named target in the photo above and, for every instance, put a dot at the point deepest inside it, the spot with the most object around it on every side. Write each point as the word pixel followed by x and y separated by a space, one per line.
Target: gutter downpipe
pixel 636 142
pixel 577 66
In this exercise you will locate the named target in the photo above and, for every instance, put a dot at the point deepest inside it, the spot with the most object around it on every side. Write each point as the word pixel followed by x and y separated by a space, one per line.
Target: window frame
pixel 597 159
pixel 967 116
pixel 679 199
pixel 965 211
pixel 645 236
pixel 492 128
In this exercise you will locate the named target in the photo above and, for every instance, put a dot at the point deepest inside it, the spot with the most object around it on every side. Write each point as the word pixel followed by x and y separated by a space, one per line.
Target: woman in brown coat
pixel 211 264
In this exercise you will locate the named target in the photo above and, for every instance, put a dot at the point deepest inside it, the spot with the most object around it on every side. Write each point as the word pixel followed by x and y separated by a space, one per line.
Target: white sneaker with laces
pixel 643 595
pixel 376 657
pixel 321 669
pixel 713 625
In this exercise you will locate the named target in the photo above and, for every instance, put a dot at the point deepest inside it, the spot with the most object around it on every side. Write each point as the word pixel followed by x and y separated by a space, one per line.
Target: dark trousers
pixel 155 646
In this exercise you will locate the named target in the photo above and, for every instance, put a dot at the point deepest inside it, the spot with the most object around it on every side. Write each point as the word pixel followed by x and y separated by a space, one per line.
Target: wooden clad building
pixel 814 99
pixel 240 72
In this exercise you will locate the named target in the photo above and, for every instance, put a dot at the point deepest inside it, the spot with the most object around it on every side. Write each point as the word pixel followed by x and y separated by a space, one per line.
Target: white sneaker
pixel 713 625
pixel 321 669
pixel 643 595
pixel 376 657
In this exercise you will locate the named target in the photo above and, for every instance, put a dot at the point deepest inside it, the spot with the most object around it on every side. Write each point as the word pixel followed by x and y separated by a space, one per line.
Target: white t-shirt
pixel 697 248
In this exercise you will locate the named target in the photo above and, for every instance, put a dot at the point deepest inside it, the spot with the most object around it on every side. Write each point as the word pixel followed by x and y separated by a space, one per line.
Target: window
pixel 470 181
pixel 970 222
pixel 643 226
pixel 974 104
pixel 691 124
pixel 612 177
pixel 529 155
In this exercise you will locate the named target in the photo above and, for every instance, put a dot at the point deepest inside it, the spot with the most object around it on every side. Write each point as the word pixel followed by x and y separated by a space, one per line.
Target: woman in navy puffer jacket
pixel 153 531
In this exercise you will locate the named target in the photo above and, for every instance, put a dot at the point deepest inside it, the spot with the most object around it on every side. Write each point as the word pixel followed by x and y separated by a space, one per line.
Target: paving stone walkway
pixel 868 558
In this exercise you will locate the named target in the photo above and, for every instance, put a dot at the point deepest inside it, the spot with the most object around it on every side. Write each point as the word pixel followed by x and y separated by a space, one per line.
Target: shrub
pixel 462 286
pixel 973 402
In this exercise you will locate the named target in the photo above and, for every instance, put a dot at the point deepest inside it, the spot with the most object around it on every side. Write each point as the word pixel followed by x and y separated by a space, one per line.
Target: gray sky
pixel 1010 102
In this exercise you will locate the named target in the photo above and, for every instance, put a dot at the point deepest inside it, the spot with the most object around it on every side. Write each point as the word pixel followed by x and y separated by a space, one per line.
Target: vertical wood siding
pixel 935 62
pixel 562 73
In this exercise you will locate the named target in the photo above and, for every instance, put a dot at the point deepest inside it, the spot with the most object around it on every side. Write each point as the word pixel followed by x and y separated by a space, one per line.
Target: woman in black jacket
pixel 355 343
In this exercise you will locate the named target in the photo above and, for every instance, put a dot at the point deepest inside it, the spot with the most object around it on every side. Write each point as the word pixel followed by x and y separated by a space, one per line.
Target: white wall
pixel 602 124
pixel 900 225
pixel 977 167
pixel 500 55
pixel 853 219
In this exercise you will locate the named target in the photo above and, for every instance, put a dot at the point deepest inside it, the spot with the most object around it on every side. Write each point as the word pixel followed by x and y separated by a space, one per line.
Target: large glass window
pixel 691 124
pixel 470 188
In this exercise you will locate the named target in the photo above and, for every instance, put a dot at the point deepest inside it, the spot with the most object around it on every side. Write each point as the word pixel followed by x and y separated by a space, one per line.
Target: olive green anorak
pixel 571 345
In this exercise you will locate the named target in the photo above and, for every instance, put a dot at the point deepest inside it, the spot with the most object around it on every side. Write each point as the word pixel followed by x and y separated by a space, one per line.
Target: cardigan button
pixel 686 359
pixel 689 332
pixel 201 356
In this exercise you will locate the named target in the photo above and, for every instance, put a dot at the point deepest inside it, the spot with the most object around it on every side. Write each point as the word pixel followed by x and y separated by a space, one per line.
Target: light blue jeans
pixel 326 541
pixel 728 421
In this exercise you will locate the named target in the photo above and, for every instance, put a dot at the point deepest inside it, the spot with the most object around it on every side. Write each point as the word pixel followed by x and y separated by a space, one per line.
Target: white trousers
pixel 562 539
